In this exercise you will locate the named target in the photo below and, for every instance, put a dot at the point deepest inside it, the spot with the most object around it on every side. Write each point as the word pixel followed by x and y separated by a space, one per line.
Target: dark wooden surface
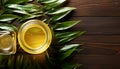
pixel 101 21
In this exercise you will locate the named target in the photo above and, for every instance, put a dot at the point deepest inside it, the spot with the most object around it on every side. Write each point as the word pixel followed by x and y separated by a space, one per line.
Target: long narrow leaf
pixel 66 34
pixel 1 12
pixel 7 17
pixel 59 16
pixel 70 66
pixel 20 11
pixel 67 53
pixel 61 10
pixel 68 37
pixel 17 1
pixel 27 7
pixel 54 4
pixel 67 47
pixel 65 25
pixel 29 17
pixel 2 3
pixel 47 1
pixel 11 62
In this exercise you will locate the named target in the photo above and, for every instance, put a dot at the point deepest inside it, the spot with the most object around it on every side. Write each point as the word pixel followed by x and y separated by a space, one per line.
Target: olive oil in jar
pixel 7 39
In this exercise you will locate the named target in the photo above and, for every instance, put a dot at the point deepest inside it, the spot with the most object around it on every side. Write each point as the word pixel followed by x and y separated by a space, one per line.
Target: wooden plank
pixel 98 25
pixel 98 61
pixel 96 7
pixel 102 39
pixel 99 44
pixel 91 50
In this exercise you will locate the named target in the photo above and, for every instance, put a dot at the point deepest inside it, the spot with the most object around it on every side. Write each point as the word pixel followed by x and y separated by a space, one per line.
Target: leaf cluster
pixel 52 12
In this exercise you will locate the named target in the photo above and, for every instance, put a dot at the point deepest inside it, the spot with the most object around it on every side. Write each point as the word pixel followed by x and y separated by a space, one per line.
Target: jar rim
pixel 29 24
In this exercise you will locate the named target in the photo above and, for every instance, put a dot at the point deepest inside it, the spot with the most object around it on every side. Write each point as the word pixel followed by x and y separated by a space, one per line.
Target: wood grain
pixel 99 61
pixel 96 7
pixel 98 25
pixel 99 43
pixel 101 21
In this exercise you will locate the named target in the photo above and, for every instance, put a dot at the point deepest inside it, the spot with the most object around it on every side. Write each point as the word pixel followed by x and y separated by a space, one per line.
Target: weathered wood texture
pixel 101 21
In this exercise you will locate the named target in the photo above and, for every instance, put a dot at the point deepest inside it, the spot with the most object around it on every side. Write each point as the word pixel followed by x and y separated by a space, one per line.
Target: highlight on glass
pixel 34 36
pixel 7 39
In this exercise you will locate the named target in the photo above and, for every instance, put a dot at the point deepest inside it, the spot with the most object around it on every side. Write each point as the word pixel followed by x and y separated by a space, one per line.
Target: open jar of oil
pixel 7 39
pixel 34 36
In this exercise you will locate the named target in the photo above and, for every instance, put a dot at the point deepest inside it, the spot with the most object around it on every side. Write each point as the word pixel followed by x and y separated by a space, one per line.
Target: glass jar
pixel 7 39
pixel 34 36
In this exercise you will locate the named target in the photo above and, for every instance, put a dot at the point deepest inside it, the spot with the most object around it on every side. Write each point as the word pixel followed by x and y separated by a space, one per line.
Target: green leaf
pixel 7 17
pixel 46 1
pixel 67 36
pixel 1 12
pixel 27 7
pixel 67 50
pixel 67 53
pixel 17 1
pixel 11 62
pixel 54 4
pixel 30 16
pixel 19 62
pixel 2 2
pixel 7 27
pixel 67 47
pixel 61 10
pixel 70 66
pixel 20 11
pixel 2 58
pixel 27 63
pixel 59 16
pixel 65 25
pixel 7 11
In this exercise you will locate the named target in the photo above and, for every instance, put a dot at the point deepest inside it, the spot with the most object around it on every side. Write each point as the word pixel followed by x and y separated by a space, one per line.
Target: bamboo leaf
pixel 27 7
pixel 1 58
pixel 67 47
pixel 3 61
pixel 17 1
pixel 67 53
pixel 20 11
pixel 70 66
pixel 67 50
pixel 7 11
pixel 19 60
pixel 11 62
pixel 27 63
pixel 7 17
pixel 7 26
pixel 54 4
pixel 47 1
pixel 59 16
pixel 50 62
pixel 2 2
pixel 65 25
pixel 68 36
pixel 29 17
pixel 61 10
pixel 1 12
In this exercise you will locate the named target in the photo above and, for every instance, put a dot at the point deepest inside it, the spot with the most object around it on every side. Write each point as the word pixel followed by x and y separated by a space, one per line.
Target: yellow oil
pixel 35 37
pixel 5 40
